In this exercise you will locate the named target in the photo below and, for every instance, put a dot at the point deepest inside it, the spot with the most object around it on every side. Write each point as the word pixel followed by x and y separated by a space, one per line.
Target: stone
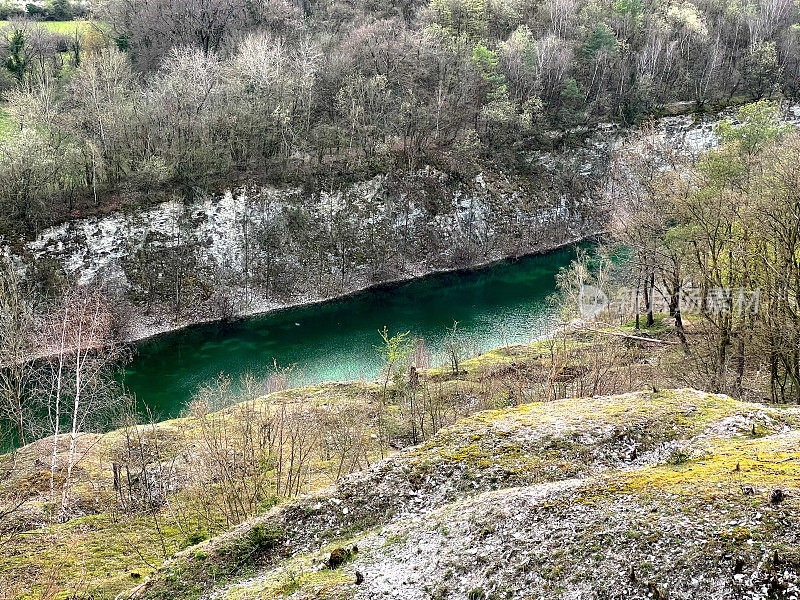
pixel 338 557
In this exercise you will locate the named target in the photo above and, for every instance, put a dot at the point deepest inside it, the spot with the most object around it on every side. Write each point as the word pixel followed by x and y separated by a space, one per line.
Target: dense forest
pixel 154 95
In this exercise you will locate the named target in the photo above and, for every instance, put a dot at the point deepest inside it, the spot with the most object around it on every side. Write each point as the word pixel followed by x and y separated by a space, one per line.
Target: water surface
pixel 336 340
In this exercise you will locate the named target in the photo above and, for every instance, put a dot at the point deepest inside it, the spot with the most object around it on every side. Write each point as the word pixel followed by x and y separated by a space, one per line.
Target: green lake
pixel 507 302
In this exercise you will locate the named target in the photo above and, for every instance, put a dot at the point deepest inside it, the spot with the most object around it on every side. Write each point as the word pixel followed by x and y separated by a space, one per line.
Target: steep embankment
pixel 253 250
pixel 677 494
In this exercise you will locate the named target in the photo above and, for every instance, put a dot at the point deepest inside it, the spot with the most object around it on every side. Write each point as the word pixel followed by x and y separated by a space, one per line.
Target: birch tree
pixel 84 391
pixel 17 343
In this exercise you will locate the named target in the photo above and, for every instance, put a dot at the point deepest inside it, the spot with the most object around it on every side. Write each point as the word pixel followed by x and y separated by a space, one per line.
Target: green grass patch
pixel 658 327
pixel 65 27
pixel 99 556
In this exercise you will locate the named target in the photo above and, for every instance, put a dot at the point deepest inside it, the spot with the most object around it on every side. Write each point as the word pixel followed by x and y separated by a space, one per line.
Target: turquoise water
pixel 336 340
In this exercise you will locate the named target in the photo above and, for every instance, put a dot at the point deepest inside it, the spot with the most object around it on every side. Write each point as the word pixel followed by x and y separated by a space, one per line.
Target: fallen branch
pixel 627 336
pixel 776 462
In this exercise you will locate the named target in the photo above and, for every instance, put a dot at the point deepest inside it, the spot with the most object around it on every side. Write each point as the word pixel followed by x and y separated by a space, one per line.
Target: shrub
pixel 266 535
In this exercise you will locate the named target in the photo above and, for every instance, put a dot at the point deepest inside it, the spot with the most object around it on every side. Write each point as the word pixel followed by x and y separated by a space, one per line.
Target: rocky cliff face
pixel 252 250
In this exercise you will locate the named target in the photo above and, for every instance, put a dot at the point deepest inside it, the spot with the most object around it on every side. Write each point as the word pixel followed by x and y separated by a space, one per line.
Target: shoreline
pixel 137 325
pixel 148 334
pixel 293 386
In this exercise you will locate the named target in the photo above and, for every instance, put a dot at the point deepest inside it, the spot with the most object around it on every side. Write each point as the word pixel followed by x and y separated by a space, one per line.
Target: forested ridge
pixel 155 98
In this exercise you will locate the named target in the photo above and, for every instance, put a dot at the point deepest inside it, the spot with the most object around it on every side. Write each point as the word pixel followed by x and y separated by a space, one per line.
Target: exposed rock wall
pixel 252 250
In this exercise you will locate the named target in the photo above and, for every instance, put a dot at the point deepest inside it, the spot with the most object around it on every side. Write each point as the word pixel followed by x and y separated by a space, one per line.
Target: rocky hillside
pixel 655 494
pixel 251 250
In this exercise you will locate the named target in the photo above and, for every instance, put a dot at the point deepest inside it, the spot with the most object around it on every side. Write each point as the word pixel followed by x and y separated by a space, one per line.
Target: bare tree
pixel 82 389
pixel 17 345
pixel 153 27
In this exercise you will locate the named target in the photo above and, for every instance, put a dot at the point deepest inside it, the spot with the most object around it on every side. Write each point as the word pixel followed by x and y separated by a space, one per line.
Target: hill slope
pixel 677 494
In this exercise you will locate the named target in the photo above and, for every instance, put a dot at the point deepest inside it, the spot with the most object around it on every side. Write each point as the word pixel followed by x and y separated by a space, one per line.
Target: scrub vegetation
pixel 180 481
pixel 516 418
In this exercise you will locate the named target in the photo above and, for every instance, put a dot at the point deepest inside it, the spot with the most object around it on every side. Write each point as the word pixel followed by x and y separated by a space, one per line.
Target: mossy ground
pixel 302 576
pixel 570 424
pixel 678 524
pixel 521 443
pixel 101 554
pixel 736 466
